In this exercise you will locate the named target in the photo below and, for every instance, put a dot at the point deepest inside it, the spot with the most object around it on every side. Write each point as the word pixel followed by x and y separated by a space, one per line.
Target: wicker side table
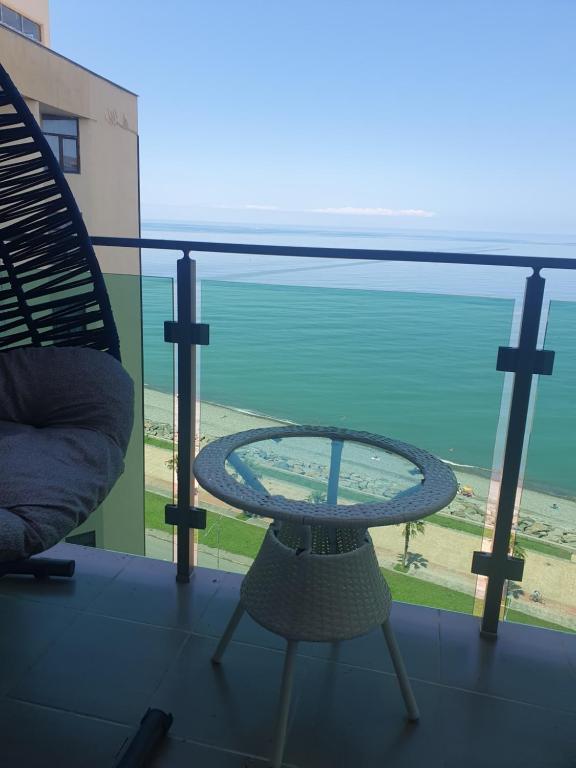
pixel 316 577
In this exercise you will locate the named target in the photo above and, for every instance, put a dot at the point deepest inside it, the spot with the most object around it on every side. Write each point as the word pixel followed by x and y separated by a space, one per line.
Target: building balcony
pixel 426 355
pixel 83 659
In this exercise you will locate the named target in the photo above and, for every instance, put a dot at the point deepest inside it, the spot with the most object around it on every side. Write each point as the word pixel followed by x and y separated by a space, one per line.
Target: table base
pixel 305 596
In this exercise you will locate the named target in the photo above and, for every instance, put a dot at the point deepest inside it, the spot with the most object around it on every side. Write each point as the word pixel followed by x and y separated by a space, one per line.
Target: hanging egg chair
pixel 66 402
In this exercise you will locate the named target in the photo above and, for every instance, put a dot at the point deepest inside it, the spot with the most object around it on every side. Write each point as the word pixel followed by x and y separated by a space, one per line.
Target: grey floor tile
pixel 181 754
pixel 568 642
pixel 36 737
pixel 232 706
pixel 215 618
pixel 479 731
pixel 349 717
pixel 146 591
pixel 416 629
pixel 102 667
pixel 525 664
pixel 418 636
pixel 511 704
pixel 95 569
pixel 26 631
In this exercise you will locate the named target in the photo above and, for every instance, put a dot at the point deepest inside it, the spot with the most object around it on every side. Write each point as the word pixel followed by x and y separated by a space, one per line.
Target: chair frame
pixel 52 291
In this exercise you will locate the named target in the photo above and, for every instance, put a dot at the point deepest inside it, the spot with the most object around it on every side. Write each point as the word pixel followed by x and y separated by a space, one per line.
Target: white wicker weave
pixel 316 577
pixel 435 492
pixel 301 595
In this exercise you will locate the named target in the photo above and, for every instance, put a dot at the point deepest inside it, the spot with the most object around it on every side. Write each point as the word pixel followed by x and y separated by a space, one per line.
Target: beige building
pixel 92 126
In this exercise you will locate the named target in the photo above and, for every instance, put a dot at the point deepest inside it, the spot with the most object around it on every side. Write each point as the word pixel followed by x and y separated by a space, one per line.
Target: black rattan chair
pixel 52 295
pixel 51 286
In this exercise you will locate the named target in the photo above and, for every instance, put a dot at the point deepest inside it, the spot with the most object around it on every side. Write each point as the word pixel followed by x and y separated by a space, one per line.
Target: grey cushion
pixel 65 420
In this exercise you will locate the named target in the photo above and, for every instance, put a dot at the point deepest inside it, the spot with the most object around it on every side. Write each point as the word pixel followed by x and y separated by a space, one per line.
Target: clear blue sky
pixel 461 108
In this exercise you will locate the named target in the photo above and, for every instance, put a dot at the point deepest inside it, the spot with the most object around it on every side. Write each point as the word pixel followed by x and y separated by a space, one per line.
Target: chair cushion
pixel 65 420
pixel 67 386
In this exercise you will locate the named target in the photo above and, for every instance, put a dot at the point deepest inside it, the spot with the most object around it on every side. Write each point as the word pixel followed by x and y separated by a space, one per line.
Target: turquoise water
pixel 293 341
pixel 396 364
pixel 157 307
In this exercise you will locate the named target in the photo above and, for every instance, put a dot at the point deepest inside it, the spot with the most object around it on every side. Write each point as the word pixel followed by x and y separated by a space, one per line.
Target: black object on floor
pixel 39 567
pixel 153 728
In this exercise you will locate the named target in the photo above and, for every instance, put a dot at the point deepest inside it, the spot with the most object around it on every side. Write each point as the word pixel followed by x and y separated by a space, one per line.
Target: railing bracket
pixel 194 517
pixel 514 360
pixel 186 333
pixel 485 564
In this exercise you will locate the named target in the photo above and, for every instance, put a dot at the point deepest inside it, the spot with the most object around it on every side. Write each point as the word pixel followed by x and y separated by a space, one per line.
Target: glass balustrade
pixel 413 357
pixel 545 526
pixel 160 449
pixel 413 366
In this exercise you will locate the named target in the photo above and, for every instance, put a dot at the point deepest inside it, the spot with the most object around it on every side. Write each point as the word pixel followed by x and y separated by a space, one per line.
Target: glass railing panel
pixel 159 414
pixel 131 518
pixel 417 367
pixel 546 522
pixel 118 524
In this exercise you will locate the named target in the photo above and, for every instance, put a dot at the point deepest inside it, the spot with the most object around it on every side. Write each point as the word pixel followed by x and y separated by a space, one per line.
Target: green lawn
pixel 242 538
pixel 230 535
pixel 154 511
pixel 535 545
pixel 455 524
pixel 544 547
pixel 523 618
pixel 409 589
pixel 159 442
pixel 226 533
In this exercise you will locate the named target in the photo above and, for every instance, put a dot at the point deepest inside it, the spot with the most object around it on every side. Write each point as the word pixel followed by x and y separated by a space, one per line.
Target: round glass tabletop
pixel 329 476
pixel 321 470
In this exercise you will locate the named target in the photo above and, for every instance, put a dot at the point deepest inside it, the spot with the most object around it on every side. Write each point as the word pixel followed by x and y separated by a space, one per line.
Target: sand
pixel 445 554
pixel 216 420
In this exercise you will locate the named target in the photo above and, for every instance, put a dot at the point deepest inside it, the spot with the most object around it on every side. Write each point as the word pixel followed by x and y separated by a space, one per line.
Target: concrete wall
pixel 35 10
pixel 106 191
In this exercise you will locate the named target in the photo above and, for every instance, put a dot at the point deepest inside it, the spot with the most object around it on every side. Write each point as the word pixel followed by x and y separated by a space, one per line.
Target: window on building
pixel 62 135
pixel 20 23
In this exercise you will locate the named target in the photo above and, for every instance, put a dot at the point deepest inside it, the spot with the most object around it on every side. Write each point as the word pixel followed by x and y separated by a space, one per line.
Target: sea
pixel 396 348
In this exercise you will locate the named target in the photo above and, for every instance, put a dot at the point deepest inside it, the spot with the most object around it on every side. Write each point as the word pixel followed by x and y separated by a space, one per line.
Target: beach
pixel 444 553
pixel 542 515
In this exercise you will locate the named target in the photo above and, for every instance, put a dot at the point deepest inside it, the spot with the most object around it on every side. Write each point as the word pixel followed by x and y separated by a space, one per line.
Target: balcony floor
pixel 82 660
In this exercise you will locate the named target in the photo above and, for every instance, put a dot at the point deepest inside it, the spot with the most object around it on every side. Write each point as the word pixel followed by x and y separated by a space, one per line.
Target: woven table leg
pixel 400 669
pixel 284 706
pixel 228 632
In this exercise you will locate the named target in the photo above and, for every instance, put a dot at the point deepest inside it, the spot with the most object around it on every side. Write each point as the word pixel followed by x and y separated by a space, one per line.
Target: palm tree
pixel 518 550
pixel 411 528
pixel 173 462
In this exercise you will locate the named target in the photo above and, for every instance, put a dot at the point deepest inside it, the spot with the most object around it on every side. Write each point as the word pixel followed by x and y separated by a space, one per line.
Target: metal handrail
pixel 365 254
pixel 524 361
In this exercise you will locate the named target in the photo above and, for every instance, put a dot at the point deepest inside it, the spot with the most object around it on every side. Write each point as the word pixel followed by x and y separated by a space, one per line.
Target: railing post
pixel 524 361
pixel 186 334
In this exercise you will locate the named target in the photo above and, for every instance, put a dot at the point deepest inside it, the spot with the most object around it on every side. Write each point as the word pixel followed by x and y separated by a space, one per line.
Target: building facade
pixel 91 125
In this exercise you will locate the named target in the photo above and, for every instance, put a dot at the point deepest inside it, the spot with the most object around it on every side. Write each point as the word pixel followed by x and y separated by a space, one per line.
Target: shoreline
pixel 470 469
pixel 544 515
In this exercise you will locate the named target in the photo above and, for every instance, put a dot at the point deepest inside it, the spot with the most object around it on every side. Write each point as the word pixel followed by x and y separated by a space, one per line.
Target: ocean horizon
pixel 405 350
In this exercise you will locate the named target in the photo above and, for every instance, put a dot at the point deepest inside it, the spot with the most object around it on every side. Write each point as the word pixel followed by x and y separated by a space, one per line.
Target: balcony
pixel 428 354
pixel 82 660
